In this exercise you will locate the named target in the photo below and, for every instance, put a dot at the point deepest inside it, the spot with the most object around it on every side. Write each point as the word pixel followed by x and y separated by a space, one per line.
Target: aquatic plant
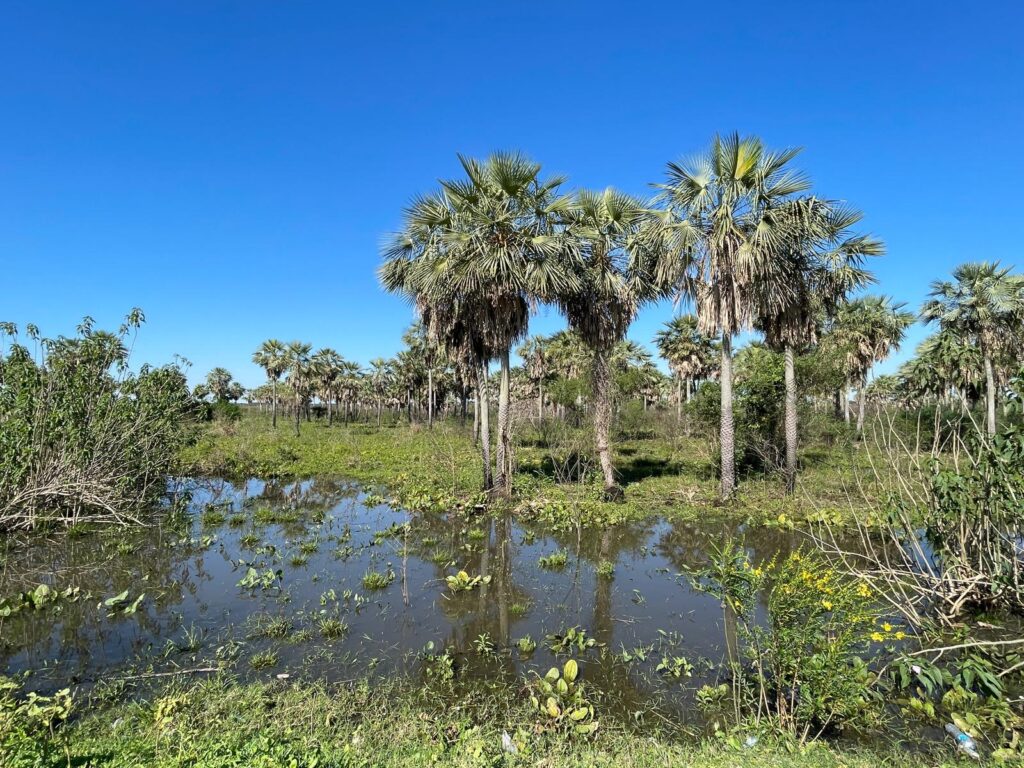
pixel 572 639
pixel 463 582
pixel 555 561
pixel 560 701
pixel 378 579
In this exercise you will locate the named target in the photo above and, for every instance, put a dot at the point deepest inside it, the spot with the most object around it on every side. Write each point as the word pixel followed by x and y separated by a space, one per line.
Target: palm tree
pixel 325 368
pixel 218 384
pixel 613 282
pixel 296 357
pixel 380 380
pixel 720 223
pixel 869 329
pixel 984 303
pixel 688 354
pixel 490 243
pixel 271 358
pixel 821 262
pixel 535 358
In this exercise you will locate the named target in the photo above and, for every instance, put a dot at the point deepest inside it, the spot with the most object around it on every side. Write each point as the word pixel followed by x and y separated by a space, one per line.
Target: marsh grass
pixel 387 725
pixel 662 472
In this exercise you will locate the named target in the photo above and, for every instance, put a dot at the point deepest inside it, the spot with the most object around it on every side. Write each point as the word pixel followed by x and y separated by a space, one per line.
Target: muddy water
pixel 250 576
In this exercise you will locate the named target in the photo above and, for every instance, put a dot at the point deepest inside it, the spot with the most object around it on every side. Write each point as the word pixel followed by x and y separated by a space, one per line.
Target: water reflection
pixel 322 537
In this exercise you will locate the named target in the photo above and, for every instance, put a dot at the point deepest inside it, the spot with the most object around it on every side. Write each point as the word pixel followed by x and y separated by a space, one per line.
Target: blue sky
pixel 232 167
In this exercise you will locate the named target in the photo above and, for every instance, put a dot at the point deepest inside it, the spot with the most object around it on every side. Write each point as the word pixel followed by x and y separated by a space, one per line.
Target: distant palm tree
pixel 985 303
pixel 325 369
pixel 218 384
pixel 869 329
pixel 820 259
pixel 688 354
pixel 380 381
pixel 722 231
pixel 297 367
pixel 613 268
pixel 534 354
pixel 271 358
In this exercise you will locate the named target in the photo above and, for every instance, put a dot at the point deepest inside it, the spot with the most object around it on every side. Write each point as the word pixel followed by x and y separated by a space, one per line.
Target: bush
pixel 81 436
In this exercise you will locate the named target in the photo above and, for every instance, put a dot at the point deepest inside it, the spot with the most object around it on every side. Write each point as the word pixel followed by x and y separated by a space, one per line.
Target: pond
pixel 317 579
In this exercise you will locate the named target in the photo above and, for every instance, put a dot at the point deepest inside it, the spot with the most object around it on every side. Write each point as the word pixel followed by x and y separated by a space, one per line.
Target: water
pixel 315 541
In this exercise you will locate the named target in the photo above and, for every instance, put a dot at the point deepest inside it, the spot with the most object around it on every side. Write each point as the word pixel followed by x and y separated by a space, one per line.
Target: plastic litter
pixel 507 744
pixel 750 741
pixel 964 742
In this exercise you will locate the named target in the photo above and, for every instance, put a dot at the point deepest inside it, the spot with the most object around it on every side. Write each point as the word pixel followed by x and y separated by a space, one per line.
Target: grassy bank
pixel 220 723
pixel 671 475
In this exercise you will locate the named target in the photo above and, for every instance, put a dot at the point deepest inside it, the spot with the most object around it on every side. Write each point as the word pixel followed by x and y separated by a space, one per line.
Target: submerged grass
pixel 672 476
pixel 221 723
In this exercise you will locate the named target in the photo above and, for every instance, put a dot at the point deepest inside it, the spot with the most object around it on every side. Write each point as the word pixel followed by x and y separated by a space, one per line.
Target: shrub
pixel 81 436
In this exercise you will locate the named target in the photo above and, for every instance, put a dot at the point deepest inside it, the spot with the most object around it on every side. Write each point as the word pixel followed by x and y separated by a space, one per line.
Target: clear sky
pixel 232 167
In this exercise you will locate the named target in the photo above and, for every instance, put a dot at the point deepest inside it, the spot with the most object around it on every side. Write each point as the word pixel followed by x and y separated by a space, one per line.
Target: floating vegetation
pixel 263 660
pixel 463 582
pixel 332 628
pixel 571 640
pixel 555 561
pixel 378 579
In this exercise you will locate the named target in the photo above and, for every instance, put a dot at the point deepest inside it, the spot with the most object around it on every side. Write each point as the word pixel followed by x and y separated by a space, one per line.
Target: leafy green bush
pixel 81 435
pixel 806 667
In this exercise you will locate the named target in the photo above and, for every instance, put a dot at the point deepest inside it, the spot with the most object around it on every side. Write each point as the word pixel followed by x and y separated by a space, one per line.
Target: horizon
pixel 233 169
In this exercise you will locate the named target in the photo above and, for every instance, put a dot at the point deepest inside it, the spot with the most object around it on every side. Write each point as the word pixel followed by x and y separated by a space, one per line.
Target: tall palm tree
pixel 688 354
pixel 721 225
pixel 271 358
pixel 612 261
pixel 491 243
pixel 985 303
pixel 821 260
pixel 296 357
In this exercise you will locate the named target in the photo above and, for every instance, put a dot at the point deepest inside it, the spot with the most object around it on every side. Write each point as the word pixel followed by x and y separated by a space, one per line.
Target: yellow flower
pixel 864 590
pixel 900 635
pixel 827 604
pixel 887 627
pixel 877 637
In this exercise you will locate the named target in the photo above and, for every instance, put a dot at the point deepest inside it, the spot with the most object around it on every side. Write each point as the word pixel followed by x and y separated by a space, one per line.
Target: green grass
pixel 669 475
pixel 220 723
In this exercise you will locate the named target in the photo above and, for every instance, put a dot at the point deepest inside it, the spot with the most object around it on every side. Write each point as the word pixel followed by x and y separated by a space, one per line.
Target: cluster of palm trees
pixel 324 375
pixel 978 347
pixel 735 232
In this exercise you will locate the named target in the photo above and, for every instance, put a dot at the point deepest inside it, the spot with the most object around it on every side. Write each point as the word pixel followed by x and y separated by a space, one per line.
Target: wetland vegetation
pixel 764 556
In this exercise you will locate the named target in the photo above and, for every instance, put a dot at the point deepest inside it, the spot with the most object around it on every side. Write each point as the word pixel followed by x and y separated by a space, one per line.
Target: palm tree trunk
pixel 298 415
pixel 476 415
pixel 482 407
pixel 378 413
pixel 602 422
pixel 791 421
pixel 330 411
pixel 274 417
pixel 679 399
pixel 990 394
pixel 860 402
pixel 727 434
pixel 504 458
pixel 689 389
pixel 430 398
pixel 846 401
pixel 540 402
